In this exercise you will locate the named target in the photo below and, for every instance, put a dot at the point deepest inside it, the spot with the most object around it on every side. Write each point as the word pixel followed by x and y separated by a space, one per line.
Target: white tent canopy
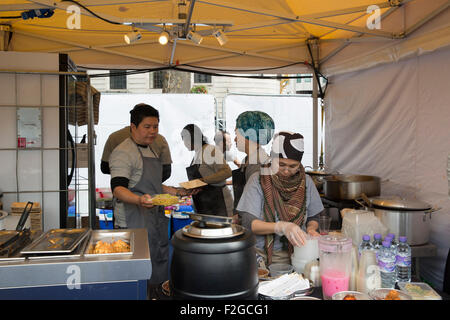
pixel 270 36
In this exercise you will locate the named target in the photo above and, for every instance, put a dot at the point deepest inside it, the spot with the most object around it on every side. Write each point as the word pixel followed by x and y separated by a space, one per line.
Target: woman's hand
pixel 312 232
pixel 293 232
pixel 146 201
pixel 311 229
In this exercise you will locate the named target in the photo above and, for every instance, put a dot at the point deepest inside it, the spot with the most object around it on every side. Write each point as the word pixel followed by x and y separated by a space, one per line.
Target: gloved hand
pixel 293 232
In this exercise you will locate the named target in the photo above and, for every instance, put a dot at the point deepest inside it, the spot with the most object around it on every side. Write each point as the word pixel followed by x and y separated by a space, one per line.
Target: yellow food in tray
pixel 102 247
pixel 164 200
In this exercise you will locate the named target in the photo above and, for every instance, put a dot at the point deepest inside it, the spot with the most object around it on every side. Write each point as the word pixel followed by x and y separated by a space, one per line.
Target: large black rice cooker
pixel 213 259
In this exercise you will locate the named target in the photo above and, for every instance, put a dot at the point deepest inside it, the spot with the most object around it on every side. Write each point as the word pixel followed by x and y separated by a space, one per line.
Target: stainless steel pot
pixel 403 217
pixel 318 176
pixel 351 186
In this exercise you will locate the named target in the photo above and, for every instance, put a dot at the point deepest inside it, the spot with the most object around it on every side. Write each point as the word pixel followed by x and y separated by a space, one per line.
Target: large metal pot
pixel 351 186
pixel 318 176
pixel 403 217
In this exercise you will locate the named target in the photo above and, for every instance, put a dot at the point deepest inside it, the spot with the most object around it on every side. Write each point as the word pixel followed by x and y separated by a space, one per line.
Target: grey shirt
pixel 251 206
pixel 126 161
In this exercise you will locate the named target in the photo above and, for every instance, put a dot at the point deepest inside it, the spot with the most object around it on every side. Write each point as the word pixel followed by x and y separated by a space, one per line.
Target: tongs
pixel 25 234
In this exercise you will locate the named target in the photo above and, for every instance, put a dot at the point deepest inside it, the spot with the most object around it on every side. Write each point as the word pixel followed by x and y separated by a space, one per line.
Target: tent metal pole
pixel 173 51
pixel 91 156
pixel 426 19
pixel 188 19
pixel 295 18
pixel 345 44
pixel 87 47
pixel 314 51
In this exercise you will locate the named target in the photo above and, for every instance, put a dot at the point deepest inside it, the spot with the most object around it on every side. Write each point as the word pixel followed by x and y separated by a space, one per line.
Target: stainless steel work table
pixel 83 277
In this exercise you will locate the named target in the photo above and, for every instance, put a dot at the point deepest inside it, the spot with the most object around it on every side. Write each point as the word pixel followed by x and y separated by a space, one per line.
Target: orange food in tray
pixel 106 247
pixel 392 295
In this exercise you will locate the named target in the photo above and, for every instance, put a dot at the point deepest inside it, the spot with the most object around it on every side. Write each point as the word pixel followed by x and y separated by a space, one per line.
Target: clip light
pixel 194 37
pixel 221 37
pixel 132 37
pixel 163 38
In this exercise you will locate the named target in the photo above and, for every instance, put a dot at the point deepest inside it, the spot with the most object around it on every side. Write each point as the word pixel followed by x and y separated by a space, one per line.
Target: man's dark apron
pixel 151 219
pixel 238 176
pixel 210 199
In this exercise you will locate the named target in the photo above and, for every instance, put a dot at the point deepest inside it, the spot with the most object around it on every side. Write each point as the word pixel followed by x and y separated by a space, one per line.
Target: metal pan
pixel 109 236
pixel 57 241
pixel 78 252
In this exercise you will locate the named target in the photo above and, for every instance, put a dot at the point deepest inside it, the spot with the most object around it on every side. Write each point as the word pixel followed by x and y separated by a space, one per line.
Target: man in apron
pixel 136 175
pixel 159 145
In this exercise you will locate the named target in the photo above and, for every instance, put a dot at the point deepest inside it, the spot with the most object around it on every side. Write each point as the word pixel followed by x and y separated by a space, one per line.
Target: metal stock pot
pixel 351 186
pixel 403 217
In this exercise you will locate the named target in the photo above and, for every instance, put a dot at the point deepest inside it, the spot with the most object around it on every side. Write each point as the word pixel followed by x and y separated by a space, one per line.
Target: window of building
pixel 304 80
pixel 157 77
pixel 202 78
pixel 118 79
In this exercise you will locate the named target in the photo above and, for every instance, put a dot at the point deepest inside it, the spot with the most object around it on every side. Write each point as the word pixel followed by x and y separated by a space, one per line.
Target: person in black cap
pixel 281 202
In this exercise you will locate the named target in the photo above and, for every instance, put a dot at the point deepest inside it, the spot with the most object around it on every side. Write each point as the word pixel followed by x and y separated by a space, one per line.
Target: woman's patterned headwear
pixel 287 145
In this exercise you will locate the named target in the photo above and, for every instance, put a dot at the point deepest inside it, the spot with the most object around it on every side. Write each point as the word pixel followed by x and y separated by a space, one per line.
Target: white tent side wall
pixel 393 121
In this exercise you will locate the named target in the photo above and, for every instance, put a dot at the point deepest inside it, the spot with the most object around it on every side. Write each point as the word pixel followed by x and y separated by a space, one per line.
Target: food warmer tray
pixel 77 253
pixel 110 236
pixel 57 241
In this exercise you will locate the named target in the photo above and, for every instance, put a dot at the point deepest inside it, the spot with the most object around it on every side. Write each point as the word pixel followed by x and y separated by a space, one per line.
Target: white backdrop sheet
pixel 393 121
pixel 175 111
pixel 290 113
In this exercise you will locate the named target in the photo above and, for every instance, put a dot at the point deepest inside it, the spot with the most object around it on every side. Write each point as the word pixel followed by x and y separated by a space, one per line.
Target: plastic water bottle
pixel 393 242
pixel 377 243
pixel 403 261
pixel 393 245
pixel 386 262
pixel 365 244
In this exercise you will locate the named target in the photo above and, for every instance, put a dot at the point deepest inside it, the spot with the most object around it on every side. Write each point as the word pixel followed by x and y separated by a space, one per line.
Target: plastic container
pixel 369 277
pixel 105 218
pixel 358 295
pixel 380 294
pixel 278 269
pixel 304 254
pixel 335 264
pixel 419 291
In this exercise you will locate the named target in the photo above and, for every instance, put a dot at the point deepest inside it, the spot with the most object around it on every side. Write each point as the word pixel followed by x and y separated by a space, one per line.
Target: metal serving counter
pixel 80 277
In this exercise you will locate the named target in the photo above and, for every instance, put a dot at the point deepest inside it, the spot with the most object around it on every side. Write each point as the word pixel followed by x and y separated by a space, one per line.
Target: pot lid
pixel 210 230
pixel 335 243
pixel 210 218
pixel 400 204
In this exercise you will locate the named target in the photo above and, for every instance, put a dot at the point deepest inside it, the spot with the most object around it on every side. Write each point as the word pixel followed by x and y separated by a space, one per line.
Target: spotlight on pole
pixel 194 37
pixel 132 37
pixel 221 37
pixel 163 38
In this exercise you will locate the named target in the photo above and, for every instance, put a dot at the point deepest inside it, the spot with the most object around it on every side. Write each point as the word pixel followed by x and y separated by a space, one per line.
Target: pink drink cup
pixel 334 281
